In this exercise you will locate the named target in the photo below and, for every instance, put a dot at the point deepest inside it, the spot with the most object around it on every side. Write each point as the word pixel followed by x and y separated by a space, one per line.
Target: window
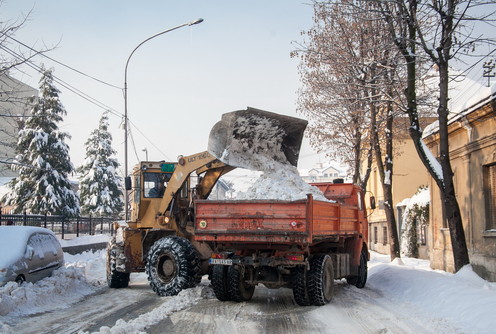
pixel 384 235
pixel 154 184
pixel 489 174
pixel 375 234
pixel 422 235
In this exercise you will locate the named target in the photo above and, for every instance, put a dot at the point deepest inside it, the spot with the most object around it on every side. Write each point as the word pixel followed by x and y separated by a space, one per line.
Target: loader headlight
pixel 203 224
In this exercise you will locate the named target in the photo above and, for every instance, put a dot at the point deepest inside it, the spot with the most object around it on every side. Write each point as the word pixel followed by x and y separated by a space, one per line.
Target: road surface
pixel 138 309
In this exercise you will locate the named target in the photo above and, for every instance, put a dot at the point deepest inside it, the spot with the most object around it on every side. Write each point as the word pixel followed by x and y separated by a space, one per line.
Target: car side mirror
pixel 372 202
pixel 127 182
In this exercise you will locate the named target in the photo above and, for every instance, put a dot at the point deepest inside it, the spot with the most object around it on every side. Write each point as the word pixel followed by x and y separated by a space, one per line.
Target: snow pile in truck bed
pixel 258 146
pixel 283 183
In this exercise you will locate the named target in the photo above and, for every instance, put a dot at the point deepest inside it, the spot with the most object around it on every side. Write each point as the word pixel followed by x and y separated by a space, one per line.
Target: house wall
pixel 409 174
pixel 14 101
pixel 472 142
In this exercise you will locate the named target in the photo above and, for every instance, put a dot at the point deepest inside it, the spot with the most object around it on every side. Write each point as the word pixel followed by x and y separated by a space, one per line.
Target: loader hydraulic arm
pixel 185 166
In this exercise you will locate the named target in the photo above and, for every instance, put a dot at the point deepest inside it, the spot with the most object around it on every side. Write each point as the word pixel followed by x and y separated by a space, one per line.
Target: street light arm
pixel 126 195
pixel 197 21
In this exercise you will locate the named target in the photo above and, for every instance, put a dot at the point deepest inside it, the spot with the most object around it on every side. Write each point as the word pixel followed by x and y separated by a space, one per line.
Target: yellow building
pixel 472 141
pixel 409 174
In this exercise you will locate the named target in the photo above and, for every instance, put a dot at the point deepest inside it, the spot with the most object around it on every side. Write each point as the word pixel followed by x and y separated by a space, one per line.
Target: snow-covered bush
pixel 415 216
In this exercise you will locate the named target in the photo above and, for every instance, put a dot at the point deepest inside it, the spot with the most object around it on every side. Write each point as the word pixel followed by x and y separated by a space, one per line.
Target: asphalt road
pixel 352 311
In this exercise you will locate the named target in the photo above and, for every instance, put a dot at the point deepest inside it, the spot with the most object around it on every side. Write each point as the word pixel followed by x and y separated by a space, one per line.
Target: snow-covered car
pixel 28 254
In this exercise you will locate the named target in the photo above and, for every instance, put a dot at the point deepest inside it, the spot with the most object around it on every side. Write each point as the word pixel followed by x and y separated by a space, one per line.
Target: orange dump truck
pixel 303 245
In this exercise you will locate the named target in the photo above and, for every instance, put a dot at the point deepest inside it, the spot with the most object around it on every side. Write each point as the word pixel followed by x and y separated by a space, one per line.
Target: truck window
pixel 154 184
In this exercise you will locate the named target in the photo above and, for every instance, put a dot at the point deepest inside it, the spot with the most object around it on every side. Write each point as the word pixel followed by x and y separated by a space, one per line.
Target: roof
pixel 467 98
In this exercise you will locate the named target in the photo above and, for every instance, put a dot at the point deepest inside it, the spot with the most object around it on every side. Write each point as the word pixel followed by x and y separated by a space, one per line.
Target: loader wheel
pixel 115 259
pixel 238 290
pixel 300 286
pixel 321 280
pixel 172 265
pixel 360 280
pixel 219 282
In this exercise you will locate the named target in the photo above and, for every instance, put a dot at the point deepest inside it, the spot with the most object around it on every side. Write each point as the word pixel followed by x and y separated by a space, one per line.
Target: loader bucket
pixel 241 138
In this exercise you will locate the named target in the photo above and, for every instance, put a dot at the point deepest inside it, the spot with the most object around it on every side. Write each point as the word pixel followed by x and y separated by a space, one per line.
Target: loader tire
pixel 219 282
pixel 115 260
pixel 238 290
pixel 172 265
pixel 360 280
pixel 300 286
pixel 321 279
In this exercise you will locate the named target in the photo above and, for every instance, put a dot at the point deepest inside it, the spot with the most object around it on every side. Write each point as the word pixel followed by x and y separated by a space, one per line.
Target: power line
pixel 79 92
pixel 64 84
pixel 147 139
pixel 65 65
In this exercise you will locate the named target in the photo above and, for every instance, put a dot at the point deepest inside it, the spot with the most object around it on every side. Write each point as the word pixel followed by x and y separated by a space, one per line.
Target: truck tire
pixel 219 282
pixel 238 290
pixel 300 286
pixel 321 280
pixel 115 259
pixel 172 265
pixel 360 280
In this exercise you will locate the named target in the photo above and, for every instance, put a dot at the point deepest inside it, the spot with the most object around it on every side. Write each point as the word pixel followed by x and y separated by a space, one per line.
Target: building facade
pixel 409 174
pixel 472 142
pixel 15 104
pixel 321 173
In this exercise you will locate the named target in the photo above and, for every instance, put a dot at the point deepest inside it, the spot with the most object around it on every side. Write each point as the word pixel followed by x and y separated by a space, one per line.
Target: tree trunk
pixel 448 195
pixel 386 180
pixel 394 244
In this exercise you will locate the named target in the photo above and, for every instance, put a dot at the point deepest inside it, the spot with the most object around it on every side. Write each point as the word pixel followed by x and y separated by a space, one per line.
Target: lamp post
pixel 146 153
pixel 125 98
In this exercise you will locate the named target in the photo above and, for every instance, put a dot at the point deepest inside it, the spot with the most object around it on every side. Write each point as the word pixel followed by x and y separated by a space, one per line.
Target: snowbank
pixel 463 299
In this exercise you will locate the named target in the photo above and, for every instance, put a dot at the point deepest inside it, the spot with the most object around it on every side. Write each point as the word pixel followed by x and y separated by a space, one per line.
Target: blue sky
pixel 179 84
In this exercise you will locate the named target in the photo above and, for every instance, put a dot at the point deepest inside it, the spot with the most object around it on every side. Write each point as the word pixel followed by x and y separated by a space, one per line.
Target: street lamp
pixel 125 98
pixel 146 153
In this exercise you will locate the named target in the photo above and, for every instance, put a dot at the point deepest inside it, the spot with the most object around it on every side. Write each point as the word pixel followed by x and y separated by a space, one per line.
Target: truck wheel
pixel 360 280
pixel 115 259
pixel 320 280
pixel 238 290
pixel 219 282
pixel 172 264
pixel 300 291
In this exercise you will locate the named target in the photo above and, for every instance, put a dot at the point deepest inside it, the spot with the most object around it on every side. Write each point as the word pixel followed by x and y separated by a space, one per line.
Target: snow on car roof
pixel 13 241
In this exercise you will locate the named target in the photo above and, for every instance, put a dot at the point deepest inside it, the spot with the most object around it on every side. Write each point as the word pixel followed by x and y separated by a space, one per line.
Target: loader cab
pixel 149 184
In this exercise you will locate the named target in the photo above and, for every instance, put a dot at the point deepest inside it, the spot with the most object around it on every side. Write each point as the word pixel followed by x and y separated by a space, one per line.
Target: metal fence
pixel 65 227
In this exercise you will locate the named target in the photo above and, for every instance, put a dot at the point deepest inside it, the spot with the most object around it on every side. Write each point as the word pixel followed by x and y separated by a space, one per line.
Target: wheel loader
pixel 159 237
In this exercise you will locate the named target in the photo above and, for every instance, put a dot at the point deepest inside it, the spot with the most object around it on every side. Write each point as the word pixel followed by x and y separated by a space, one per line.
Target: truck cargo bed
pixel 301 222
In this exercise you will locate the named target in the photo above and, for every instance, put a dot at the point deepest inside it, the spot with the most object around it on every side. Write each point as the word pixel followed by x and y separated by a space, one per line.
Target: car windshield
pixel 13 240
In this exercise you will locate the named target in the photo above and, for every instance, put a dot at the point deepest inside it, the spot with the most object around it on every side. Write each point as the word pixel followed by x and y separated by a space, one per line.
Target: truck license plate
pixel 225 262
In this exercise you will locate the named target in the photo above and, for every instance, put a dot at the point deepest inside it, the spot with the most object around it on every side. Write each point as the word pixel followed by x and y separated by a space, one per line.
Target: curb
pixel 73 250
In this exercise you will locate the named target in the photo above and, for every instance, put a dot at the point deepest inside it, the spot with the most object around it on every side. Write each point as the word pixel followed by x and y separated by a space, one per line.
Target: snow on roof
pixel 465 97
pixel 13 241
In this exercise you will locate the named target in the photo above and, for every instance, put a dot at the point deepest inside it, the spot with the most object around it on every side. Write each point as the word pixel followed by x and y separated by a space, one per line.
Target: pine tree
pixel 43 162
pixel 99 183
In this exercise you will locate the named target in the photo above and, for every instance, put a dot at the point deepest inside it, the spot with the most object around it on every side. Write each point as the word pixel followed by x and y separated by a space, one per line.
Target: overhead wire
pixel 64 84
pixel 147 139
pixel 62 64
pixel 78 92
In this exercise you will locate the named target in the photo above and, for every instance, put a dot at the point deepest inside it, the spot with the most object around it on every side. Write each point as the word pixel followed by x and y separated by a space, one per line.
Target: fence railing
pixel 65 227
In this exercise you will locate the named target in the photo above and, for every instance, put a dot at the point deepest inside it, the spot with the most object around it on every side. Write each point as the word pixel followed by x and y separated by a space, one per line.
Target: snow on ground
pixel 462 300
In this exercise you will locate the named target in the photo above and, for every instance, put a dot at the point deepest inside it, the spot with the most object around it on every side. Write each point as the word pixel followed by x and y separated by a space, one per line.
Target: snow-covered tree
pixel 42 159
pixel 99 182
